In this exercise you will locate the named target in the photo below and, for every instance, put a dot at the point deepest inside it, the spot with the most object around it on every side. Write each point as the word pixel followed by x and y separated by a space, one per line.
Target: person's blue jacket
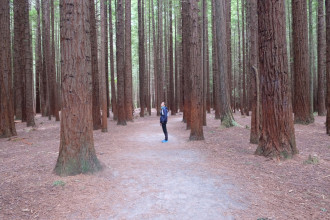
pixel 163 115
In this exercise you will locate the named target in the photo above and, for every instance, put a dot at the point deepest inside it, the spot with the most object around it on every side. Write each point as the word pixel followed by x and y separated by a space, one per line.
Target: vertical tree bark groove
pixel 302 114
pixel 128 63
pixel 120 64
pixel 277 136
pixel 321 58
pixel 196 132
pixel 7 125
pixel 170 60
pixel 106 48
pixel 76 152
pixel 226 114
pixel 228 31
pixel 95 69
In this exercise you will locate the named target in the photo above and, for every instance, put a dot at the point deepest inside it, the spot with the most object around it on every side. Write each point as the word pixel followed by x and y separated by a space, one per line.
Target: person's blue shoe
pixel 164 141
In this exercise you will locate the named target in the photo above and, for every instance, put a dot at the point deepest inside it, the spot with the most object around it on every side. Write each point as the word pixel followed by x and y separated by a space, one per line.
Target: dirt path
pixel 167 180
pixel 218 178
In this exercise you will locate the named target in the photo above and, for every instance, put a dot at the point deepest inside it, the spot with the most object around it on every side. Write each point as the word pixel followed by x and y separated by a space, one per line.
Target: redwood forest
pixel 165 109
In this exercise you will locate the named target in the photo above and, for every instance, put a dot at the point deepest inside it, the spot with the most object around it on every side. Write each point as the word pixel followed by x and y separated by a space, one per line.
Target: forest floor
pixel 219 178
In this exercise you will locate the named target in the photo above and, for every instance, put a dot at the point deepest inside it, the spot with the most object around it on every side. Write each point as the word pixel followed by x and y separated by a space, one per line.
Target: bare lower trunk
pixel 277 137
pixel 76 152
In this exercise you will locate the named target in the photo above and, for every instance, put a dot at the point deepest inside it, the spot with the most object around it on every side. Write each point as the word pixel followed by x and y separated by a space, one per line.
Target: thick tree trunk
pixel 327 6
pixel 7 125
pixel 18 66
pixel 155 52
pixel 120 53
pixel 112 69
pixel 302 114
pixel 28 87
pixel 128 63
pixel 321 61
pixel 277 137
pixel 196 132
pixel 95 69
pixel 76 152
pixel 103 72
pixel 226 115
pixel 160 57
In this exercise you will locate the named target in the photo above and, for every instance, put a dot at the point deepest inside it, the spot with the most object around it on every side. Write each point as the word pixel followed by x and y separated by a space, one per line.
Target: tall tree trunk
pixel 255 121
pixel 196 132
pixel 160 57
pixel 155 51
pixel 95 69
pixel 28 89
pixel 186 25
pixel 228 32
pixel 321 55
pixel 76 152
pixel 311 56
pixel 7 125
pixel 103 72
pixel 128 63
pixel 277 137
pixel 204 58
pixel 327 3
pixel 120 53
pixel 170 60
pixel 244 103
pixel 301 105
pixel 38 59
pixel 46 54
pixel 112 69
pixel 18 67
pixel 226 115
pixel 141 59
pixel 216 79
pixel 106 48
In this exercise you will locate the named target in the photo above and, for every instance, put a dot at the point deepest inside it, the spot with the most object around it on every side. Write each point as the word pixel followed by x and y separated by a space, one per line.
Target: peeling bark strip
pixel 7 125
pixel 277 137
pixel 76 153
pixel 302 113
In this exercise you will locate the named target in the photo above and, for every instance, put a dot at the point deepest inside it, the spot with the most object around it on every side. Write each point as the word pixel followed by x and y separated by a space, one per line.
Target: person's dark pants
pixel 165 131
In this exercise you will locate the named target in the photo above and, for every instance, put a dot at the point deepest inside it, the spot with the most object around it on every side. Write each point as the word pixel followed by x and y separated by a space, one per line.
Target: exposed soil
pixel 219 178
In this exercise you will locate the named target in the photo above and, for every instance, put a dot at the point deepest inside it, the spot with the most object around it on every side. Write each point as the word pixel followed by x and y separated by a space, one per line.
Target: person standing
pixel 163 120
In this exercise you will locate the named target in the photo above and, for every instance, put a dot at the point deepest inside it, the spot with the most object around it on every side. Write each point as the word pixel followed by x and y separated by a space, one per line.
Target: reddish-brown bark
pixel 120 64
pixel 76 152
pixel 215 68
pixel 112 69
pixel 277 136
pixel 7 125
pixel 196 132
pixel 327 6
pixel 301 105
pixel 95 69
pixel 321 58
